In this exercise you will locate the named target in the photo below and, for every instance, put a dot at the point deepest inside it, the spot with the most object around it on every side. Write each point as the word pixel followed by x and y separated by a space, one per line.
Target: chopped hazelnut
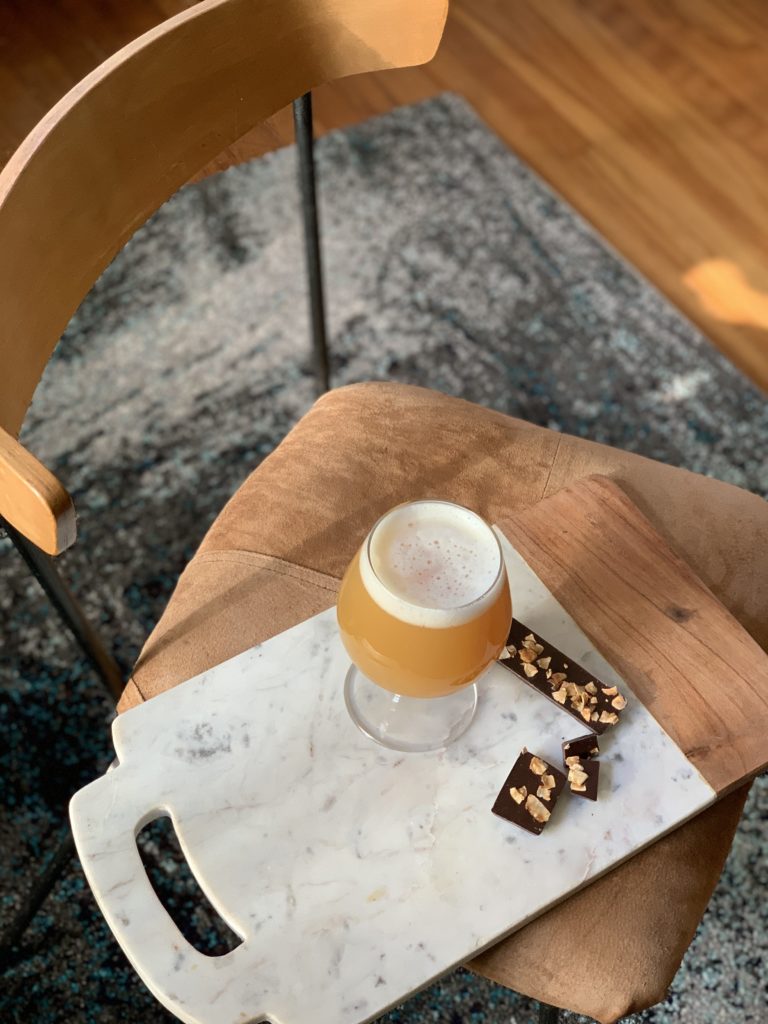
pixel 543 793
pixel 558 677
pixel 560 695
pixel 609 717
pixel 590 688
pixel 548 781
pixel 536 809
pixel 530 671
pixel 537 766
pixel 578 699
pixel 576 775
pixel 518 795
pixel 586 714
pixel 619 703
pixel 573 759
pixel 543 662
pixel 527 655
pixel 610 691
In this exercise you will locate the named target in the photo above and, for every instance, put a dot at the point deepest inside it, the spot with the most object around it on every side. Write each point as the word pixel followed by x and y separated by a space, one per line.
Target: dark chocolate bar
pixel 530 793
pixel 583 747
pixel 583 776
pixel 558 677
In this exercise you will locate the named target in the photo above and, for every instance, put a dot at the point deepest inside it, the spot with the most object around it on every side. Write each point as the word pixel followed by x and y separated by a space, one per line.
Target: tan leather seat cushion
pixel 275 554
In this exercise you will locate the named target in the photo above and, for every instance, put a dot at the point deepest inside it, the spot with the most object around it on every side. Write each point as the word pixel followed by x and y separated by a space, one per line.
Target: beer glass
pixel 424 608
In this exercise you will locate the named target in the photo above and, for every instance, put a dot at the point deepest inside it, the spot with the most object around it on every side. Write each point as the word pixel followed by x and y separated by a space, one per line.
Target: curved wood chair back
pixel 120 143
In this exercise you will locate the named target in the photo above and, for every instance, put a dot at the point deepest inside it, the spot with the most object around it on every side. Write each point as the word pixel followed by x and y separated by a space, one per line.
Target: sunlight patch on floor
pixel 725 293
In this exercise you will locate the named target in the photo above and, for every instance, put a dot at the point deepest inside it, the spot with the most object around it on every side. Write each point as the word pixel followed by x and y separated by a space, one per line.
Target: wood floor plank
pixel 649 116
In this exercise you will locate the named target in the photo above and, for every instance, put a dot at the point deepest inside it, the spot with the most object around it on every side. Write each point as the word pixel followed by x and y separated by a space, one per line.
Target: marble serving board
pixel 354 875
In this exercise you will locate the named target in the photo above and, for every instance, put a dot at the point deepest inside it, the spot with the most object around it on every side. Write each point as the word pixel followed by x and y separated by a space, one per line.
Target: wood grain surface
pixel 127 137
pixel 650 118
pixel 31 495
pixel 694 667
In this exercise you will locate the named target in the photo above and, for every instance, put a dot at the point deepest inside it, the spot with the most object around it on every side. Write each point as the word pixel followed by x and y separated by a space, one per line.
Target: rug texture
pixel 448 264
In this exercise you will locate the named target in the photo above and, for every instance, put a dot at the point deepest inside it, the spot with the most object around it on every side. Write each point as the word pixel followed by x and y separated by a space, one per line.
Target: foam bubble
pixel 429 560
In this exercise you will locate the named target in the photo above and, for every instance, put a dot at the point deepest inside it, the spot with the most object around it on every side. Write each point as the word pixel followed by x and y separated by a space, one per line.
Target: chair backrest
pixel 120 143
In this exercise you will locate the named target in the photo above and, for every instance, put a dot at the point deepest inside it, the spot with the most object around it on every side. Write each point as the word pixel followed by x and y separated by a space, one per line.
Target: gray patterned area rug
pixel 449 264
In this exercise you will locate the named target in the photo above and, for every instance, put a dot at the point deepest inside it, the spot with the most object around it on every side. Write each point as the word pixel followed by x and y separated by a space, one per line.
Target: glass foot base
pixel 412 724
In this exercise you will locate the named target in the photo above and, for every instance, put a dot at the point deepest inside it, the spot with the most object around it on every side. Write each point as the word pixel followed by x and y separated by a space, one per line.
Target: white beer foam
pixel 432 564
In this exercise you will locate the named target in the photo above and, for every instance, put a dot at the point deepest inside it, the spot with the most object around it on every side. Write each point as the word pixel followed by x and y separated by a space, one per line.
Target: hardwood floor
pixel 649 116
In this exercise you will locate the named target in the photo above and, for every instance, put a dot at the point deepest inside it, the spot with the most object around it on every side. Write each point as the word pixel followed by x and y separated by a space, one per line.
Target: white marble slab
pixel 354 874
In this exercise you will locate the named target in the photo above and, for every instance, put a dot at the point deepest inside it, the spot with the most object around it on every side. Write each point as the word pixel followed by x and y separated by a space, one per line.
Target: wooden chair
pixel 87 177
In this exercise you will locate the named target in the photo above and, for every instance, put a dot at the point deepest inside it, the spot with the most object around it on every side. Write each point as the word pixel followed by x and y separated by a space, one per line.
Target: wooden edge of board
pixel 649 614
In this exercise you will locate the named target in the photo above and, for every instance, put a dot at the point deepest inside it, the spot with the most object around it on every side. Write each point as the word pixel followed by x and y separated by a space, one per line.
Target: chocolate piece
pixel 583 747
pixel 530 793
pixel 552 673
pixel 583 777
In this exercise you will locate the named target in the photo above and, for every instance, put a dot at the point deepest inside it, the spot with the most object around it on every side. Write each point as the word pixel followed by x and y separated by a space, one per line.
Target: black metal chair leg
pixel 61 597
pixel 302 119
pixel 36 896
pixel 548 1014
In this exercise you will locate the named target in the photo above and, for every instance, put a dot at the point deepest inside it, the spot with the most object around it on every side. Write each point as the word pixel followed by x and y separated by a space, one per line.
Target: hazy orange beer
pixel 424 607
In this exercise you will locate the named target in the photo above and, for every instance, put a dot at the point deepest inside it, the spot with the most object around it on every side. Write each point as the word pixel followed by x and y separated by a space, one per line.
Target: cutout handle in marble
pixel 169 870
pixel 106 817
